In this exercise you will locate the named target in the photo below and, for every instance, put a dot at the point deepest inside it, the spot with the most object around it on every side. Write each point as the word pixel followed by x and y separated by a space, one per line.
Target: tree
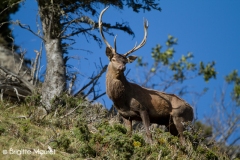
pixel 225 118
pixel 168 72
pixel 235 79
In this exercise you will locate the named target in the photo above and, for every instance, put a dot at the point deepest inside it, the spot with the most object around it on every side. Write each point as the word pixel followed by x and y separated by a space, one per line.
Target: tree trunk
pixel 55 78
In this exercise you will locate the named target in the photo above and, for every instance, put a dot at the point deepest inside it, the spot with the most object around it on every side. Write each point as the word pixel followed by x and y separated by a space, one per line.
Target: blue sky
pixel 208 29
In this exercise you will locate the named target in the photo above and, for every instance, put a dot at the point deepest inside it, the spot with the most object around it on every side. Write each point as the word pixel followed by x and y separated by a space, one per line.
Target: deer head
pixel 118 61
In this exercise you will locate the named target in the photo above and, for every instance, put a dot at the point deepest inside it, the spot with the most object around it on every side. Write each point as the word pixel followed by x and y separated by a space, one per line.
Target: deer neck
pixel 116 84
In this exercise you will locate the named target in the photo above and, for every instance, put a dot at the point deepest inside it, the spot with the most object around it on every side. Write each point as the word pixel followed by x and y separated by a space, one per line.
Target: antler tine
pixel 143 41
pixel 100 28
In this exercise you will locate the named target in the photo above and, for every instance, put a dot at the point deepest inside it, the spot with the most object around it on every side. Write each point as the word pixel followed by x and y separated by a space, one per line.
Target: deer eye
pixel 113 59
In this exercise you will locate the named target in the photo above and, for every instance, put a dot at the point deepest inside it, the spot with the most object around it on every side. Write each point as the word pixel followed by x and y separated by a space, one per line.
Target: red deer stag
pixel 134 102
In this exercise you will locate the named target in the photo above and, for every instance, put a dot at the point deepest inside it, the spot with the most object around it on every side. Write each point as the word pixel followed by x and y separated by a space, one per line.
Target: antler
pixel 143 41
pixel 101 32
pixel 115 46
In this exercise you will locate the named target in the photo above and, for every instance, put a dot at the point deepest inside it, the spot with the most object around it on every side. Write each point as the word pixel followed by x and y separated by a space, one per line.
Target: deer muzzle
pixel 121 68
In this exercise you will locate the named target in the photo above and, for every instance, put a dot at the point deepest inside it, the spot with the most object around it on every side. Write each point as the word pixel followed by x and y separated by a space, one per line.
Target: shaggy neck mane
pixel 116 84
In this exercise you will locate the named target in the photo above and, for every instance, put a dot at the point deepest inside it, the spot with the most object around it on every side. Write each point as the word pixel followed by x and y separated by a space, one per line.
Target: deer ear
pixel 131 58
pixel 109 53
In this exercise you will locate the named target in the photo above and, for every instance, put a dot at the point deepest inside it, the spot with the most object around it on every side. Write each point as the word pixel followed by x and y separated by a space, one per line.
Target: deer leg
pixel 180 128
pixel 128 125
pixel 146 122
pixel 172 127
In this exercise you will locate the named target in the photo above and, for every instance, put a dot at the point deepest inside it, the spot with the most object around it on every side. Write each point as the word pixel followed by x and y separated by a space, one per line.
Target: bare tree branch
pixel 226 120
pixel 27 27
pixel 28 85
pixel 19 91
pixel 35 65
pixel 71 84
pixel 21 61
pixel 98 96
pixel 77 20
pixel 92 80
pixel 10 6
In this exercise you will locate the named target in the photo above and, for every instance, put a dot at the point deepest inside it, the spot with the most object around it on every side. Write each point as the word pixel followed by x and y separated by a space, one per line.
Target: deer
pixel 134 102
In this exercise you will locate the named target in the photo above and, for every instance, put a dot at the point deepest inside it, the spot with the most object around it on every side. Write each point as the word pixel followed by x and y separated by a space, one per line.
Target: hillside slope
pixel 80 130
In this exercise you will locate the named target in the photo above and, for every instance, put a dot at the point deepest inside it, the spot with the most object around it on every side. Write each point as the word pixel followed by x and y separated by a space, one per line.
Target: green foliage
pixel 179 68
pixel 62 143
pixel 7 7
pixel 120 128
pixel 116 139
pixel 2 129
pixel 138 140
pixel 162 56
pixel 33 100
pixel 25 126
pixel 81 131
pixel 235 79
pixel 86 151
pixel 140 62
pixel 145 5
pixel 207 71
pixel 171 41
pixel 82 138
pixel 64 102
pixel 211 155
pixel 205 130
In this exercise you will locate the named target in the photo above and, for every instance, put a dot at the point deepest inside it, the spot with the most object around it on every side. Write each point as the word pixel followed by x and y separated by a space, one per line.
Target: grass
pixel 77 129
